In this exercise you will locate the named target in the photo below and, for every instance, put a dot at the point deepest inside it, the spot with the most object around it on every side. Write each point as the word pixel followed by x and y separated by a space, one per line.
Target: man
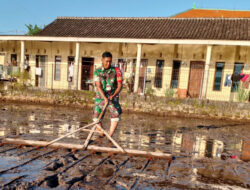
pixel 108 81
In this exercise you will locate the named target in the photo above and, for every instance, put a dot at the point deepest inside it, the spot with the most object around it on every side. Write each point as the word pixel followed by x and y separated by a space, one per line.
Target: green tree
pixel 32 30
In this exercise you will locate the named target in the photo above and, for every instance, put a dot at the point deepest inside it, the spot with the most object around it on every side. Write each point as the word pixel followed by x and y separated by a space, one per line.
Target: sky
pixel 15 14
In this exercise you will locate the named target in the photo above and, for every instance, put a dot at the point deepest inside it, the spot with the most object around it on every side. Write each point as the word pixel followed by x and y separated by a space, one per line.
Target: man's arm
pixel 99 89
pixel 119 83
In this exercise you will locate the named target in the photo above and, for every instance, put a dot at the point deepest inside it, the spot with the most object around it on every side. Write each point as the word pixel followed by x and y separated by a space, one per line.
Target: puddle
pixel 203 148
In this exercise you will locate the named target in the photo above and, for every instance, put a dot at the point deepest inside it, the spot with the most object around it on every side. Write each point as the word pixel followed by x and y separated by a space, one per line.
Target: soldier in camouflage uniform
pixel 108 82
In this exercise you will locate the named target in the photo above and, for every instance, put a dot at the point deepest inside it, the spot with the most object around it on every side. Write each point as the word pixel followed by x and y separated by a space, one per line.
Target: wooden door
pixel 41 62
pixel 195 78
pixel 87 72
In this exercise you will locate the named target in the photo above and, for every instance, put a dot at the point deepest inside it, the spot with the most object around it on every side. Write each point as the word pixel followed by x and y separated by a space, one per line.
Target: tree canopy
pixel 32 30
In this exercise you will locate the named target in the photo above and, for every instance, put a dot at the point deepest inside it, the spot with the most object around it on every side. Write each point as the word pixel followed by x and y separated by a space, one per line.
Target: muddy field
pixel 206 154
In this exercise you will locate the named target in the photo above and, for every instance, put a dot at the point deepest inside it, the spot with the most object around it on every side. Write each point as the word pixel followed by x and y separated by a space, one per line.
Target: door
pixel 238 67
pixel 142 76
pixel 13 58
pixel 43 72
pixel 87 72
pixel 70 75
pixel 2 61
pixel 41 63
pixel 195 79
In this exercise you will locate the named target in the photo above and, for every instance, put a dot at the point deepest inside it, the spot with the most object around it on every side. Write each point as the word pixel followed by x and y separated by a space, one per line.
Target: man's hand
pixel 111 98
pixel 106 100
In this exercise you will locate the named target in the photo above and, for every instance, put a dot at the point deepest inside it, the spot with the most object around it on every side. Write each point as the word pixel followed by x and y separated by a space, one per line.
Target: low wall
pixel 160 106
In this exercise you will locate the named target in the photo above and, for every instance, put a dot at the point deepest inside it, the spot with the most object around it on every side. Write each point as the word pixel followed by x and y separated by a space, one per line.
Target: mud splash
pixel 207 154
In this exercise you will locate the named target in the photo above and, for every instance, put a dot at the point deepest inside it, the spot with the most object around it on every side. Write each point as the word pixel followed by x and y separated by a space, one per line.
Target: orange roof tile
pixel 207 13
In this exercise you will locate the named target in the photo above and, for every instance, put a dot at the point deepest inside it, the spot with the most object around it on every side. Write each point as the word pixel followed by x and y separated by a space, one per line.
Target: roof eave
pixel 127 40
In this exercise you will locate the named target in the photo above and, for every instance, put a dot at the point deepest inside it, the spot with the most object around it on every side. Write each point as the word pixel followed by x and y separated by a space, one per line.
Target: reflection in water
pixel 170 135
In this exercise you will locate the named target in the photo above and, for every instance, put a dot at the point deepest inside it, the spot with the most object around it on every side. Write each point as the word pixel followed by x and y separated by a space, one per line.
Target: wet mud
pixel 206 154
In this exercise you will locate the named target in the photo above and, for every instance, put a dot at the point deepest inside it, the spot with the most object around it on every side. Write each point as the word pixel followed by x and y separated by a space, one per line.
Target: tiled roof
pixel 149 28
pixel 208 13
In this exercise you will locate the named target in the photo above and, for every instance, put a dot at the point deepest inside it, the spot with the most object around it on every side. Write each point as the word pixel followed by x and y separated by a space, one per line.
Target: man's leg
pixel 115 110
pixel 113 127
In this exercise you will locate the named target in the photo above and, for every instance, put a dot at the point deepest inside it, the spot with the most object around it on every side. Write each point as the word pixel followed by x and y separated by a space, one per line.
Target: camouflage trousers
pixel 113 107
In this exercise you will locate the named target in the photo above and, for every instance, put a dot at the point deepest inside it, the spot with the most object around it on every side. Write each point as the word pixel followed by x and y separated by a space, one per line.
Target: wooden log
pixel 90 147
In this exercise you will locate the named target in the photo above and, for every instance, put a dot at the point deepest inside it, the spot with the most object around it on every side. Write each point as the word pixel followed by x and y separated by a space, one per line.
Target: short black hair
pixel 106 54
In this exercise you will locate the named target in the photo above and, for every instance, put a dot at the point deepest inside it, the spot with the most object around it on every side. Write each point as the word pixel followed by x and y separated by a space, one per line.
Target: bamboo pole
pixel 68 134
pixel 90 147
pixel 113 141
pixel 89 137
pixel 94 123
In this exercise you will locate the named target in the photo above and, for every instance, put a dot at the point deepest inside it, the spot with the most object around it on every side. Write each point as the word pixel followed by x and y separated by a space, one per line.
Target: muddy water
pixel 208 154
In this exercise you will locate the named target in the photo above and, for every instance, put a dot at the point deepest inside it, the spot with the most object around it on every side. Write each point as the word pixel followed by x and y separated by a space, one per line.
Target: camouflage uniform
pixel 109 79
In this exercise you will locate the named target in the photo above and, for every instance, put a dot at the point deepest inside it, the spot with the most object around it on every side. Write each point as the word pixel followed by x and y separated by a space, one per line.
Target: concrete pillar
pixel 206 71
pixel 22 61
pixel 137 69
pixel 76 66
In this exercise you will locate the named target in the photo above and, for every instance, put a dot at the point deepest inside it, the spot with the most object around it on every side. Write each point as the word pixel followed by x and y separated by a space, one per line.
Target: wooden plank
pixel 90 147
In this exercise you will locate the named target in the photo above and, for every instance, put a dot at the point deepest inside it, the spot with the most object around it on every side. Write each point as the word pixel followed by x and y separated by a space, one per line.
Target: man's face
pixel 106 61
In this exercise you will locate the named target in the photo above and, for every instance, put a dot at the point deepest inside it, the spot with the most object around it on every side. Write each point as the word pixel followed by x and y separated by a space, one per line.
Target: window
pixel 218 76
pixel 158 73
pixel 57 67
pixel 175 74
pixel 237 70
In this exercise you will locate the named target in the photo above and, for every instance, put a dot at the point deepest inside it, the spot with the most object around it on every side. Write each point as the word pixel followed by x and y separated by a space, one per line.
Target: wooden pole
pixel 94 123
pixel 113 141
pixel 51 142
pixel 89 137
pixel 90 147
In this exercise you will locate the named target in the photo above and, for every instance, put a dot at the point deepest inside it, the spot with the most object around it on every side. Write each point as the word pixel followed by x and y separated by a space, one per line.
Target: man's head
pixel 106 60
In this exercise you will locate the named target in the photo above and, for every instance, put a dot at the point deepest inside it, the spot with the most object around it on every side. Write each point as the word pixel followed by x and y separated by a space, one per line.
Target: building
pixel 212 13
pixel 191 56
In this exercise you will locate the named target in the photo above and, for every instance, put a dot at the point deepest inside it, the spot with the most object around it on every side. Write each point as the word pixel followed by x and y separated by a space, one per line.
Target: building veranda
pixel 180 57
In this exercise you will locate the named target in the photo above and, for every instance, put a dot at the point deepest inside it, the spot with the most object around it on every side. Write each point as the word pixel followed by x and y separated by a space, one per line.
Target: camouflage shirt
pixel 109 79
